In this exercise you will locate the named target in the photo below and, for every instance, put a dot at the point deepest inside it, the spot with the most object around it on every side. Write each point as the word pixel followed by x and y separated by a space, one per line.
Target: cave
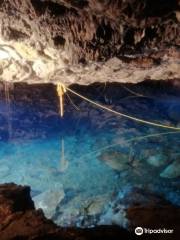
pixel 89 119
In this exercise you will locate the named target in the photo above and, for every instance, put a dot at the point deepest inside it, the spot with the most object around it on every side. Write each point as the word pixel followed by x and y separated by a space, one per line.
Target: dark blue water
pixel 83 160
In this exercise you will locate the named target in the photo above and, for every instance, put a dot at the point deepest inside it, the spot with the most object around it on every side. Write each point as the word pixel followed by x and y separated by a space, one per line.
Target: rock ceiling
pixel 86 41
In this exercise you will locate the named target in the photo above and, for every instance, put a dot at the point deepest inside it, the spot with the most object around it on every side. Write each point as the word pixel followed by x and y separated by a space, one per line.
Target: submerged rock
pixel 134 206
pixel 81 211
pixel 112 217
pixel 157 160
pixel 172 170
pixel 20 220
pixel 116 160
pixel 49 200
pixel 95 205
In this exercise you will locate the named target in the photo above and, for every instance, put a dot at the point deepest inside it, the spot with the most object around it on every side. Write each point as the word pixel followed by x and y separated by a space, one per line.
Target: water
pixel 77 165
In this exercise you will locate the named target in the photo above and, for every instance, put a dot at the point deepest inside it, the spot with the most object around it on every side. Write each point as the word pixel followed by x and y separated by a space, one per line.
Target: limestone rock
pixel 154 213
pixel 111 217
pixel 116 160
pixel 14 198
pixel 157 160
pixel 49 200
pixel 139 207
pixel 96 205
pixel 172 170
pixel 19 220
pixel 89 41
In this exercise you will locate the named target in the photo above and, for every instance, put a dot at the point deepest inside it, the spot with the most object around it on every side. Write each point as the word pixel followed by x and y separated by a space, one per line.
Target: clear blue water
pixel 89 153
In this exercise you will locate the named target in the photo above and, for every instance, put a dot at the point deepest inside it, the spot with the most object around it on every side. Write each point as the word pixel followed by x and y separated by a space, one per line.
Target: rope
pixel 122 114
pixel 61 89
pixel 131 91
pixel 73 104
pixel 130 140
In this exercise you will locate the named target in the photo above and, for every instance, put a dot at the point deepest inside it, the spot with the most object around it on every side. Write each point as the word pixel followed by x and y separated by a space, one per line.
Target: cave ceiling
pixel 86 41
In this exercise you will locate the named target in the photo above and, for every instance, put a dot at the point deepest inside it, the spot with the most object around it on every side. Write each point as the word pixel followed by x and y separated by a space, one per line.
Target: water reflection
pixel 86 159
pixel 63 161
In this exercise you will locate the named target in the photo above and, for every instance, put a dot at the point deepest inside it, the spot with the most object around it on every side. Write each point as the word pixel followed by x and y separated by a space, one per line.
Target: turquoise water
pixel 89 155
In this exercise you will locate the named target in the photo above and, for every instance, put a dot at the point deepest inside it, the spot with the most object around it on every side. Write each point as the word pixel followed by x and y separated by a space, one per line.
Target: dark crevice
pixel 104 33
pixel 39 7
pixel 82 61
pixel 55 9
pixel 159 7
pixel 16 35
pixel 59 41
pixel 79 3
pixel 128 10
pixel 1 2
pixel 150 33
pixel 129 37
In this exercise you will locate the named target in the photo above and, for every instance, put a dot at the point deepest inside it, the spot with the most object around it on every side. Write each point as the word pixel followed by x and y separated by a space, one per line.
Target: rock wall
pixel 20 220
pixel 124 41
pixel 93 30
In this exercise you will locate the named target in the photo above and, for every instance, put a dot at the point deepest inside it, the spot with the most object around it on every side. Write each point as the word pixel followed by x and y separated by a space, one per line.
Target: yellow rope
pixel 122 114
pixel 61 89
pixel 128 141
pixel 73 104
pixel 134 93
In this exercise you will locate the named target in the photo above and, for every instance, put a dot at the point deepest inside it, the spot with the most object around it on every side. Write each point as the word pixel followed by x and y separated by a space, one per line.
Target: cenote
pixel 80 165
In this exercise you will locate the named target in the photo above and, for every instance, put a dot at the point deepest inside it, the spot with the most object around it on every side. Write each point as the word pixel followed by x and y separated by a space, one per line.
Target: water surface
pixel 90 155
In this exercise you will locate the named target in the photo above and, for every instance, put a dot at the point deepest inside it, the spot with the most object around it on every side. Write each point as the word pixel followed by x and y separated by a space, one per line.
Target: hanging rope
pixel 122 114
pixel 61 90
